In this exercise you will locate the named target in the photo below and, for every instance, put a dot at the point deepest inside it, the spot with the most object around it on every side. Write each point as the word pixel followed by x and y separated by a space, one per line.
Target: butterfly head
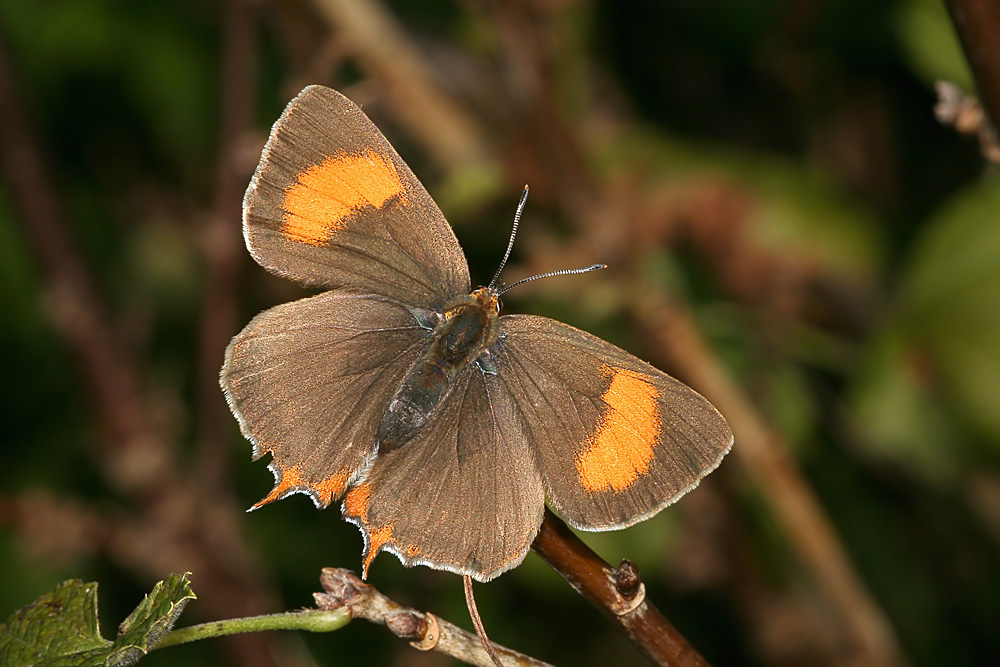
pixel 488 299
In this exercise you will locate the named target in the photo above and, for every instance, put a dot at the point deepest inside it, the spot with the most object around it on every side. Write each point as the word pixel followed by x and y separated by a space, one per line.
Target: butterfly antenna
pixel 550 274
pixel 513 233
pixel 470 599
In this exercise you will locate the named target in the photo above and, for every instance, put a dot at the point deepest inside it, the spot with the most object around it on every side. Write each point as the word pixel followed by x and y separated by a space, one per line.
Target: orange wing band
pixel 327 194
pixel 621 450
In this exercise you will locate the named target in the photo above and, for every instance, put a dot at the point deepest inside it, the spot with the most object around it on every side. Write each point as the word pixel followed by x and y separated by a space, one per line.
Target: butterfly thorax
pixel 464 333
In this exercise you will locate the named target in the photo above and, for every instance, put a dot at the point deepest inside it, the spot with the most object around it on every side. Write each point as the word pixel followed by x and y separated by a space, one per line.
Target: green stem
pixel 308 620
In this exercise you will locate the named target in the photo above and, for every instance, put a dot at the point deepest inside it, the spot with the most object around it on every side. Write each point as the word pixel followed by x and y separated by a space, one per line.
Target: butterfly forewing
pixel 616 439
pixel 332 204
pixel 309 381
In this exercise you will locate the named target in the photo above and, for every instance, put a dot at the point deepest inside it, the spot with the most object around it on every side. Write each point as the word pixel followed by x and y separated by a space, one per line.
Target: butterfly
pixel 442 426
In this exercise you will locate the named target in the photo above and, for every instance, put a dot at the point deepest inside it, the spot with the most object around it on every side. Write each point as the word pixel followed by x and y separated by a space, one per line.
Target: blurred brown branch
pixel 372 35
pixel 221 241
pixel 176 524
pixel 978 26
pixel 136 459
pixel 869 637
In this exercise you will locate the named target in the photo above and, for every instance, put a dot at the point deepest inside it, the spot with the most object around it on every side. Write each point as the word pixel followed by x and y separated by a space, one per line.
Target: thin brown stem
pixel 382 47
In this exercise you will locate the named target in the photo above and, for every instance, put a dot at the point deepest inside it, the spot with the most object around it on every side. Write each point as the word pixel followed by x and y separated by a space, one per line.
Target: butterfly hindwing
pixel 309 381
pixel 464 495
pixel 332 204
pixel 616 439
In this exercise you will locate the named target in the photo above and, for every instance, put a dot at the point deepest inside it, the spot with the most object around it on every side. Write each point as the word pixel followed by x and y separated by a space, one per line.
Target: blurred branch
pixel 221 241
pixel 138 460
pixel 978 25
pixel 764 456
pixel 343 589
pixel 53 529
pixel 619 594
pixel 174 528
pixel 382 47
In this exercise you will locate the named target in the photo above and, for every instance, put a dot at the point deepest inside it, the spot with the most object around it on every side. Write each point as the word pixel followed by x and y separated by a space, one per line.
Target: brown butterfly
pixel 442 425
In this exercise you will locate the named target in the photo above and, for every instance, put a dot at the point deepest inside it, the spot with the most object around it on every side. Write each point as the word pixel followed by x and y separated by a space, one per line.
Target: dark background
pixel 766 181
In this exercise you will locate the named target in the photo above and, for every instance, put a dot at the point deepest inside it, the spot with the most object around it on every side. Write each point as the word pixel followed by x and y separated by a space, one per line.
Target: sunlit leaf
pixel 60 629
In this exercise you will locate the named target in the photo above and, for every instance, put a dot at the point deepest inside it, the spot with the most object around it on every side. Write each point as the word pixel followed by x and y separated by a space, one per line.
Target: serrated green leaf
pixel 152 619
pixel 59 628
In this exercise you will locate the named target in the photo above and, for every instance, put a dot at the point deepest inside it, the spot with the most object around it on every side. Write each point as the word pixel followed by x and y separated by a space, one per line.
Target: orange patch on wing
pixel 326 194
pixel 356 501
pixel 331 487
pixel 289 479
pixel 621 450
pixel 376 540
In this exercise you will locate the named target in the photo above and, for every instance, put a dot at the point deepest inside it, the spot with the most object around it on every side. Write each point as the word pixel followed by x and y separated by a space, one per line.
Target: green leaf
pixel 949 302
pixel 930 43
pixel 60 629
pixel 152 619
pixel 898 415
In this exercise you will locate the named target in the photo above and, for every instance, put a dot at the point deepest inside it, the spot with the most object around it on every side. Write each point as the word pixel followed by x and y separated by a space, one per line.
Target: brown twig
pixel 978 26
pixel 965 114
pixel 619 594
pixel 868 633
pixel 426 632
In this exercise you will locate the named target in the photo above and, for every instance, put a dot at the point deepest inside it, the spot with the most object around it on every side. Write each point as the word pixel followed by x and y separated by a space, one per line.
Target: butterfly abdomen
pixel 465 332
